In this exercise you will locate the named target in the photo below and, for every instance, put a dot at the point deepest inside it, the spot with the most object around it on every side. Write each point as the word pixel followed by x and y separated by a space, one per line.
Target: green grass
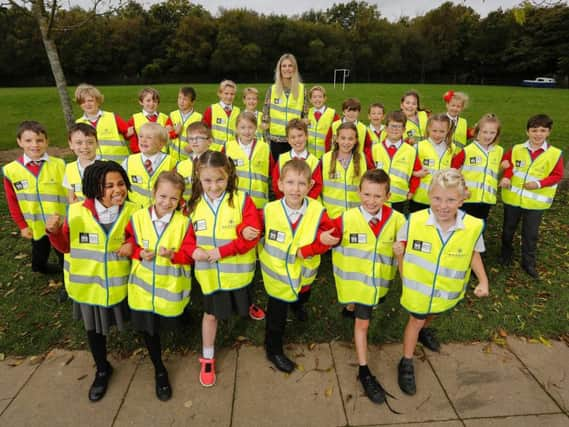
pixel 513 105
pixel 31 320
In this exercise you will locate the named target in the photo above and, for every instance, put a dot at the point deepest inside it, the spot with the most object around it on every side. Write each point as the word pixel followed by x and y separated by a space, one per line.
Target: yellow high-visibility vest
pixel 430 160
pixel 222 127
pixel 38 197
pixel 340 192
pixel 283 272
pixel 140 119
pixel 142 184
pixel 459 134
pixel 94 273
pixel 363 264
pixel 436 273
pixel 415 130
pixel 373 136
pixel 283 109
pixel 253 172
pixel 159 286
pixel 528 170
pixel 310 159
pixel 317 131
pixel 176 146
pixel 186 169
pixel 112 145
pixel 399 168
pixel 75 179
pixel 480 171
pixel 217 228
pixel 362 132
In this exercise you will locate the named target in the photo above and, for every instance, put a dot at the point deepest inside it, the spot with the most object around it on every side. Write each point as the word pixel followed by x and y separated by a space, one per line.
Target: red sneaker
pixel 207 372
pixel 256 312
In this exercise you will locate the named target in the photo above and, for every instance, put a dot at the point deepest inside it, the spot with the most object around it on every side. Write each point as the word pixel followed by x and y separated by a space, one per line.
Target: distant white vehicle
pixel 540 82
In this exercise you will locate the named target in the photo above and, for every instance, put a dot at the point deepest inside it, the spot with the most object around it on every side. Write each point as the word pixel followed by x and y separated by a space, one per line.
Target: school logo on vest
pixel 277 236
pixel 475 160
pixel 276 101
pixel 76 188
pixel 458 253
pixel 335 175
pixel 200 225
pixel 230 224
pixel 238 162
pixel 135 179
pixel 379 165
pixel 21 185
pixel 520 163
pixel 410 132
pixel 419 245
pixel 89 238
pixel 219 121
pixel 429 162
pixel 358 238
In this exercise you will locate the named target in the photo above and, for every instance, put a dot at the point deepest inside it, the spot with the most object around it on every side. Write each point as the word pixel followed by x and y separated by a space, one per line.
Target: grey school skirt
pixel 101 319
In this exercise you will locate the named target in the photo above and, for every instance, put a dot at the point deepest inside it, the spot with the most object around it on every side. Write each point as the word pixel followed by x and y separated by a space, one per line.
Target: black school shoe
pixel 99 386
pixel 531 271
pixel 406 376
pixel 429 340
pixel 281 362
pixel 163 387
pixel 373 389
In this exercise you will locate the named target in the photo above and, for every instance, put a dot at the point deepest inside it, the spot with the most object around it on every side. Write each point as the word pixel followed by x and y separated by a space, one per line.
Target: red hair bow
pixel 448 95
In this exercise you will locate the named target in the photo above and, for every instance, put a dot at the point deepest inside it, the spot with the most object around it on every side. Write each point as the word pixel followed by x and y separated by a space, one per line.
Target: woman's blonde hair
pixel 449 179
pixel 295 77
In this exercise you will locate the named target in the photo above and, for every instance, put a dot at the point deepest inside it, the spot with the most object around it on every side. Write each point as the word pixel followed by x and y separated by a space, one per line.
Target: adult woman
pixel 285 100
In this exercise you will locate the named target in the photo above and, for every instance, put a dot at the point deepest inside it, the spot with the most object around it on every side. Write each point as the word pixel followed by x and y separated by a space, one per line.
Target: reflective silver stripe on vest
pixel 358 253
pixel 166 270
pixel 225 267
pixel 90 255
pixel 96 280
pixel 279 122
pixel 398 190
pixel 183 138
pixel 530 195
pixel 429 266
pixel 219 141
pixel 468 168
pixel 253 193
pixel 223 129
pixel 308 273
pixel 278 253
pixel 481 186
pixel 361 278
pixel 399 174
pixel 280 277
pixel 335 202
pixel 114 157
pixel 33 217
pixel 424 186
pixel 315 134
pixel 427 290
pixel 141 191
pixel 340 186
pixel 206 240
pixel 458 143
pixel 525 177
pixel 42 197
pixel 286 110
pixel 111 143
pixel 159 292
pixel 253 176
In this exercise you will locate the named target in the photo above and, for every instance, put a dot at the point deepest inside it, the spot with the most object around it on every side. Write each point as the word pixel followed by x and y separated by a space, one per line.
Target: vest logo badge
pixel 219 121
pixel 429 162
pixel 145 244
pixel 76 188
pixel 277 236
pixel 92 238
pixel 458 252
pixel 358 238
pixel 188 180
pixel 21 185
pixel 475 160
pixel 520 163
pixel 379 165
pixel 230 224
pixel 238 162
pixel 200 225
pixel 410 132
pixel 135 179
pixel 421 246
pixel 335 175
pixel 276 101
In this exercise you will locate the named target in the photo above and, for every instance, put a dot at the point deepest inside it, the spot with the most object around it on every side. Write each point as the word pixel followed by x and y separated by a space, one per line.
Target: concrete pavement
pixel 478 384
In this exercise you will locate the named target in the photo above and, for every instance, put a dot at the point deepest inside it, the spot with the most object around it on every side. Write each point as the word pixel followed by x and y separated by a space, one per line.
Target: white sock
pixel 208 352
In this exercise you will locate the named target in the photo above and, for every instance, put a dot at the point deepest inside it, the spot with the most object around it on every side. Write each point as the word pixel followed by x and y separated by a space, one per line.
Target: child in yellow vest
pixel 143 168
pixel 479 163
pixel 149 100
pixel 224 258
pixel 397 159
pixel 351 109
pixel 320 119
pixel 34 191
pixel 456 102
pixel 112 129
pixel 364 265
pixel 436 250
pixel 97 259
pixel 376 129
pixel 160 278
pixel 199 139
pixel 181 118
pixel 83 142
pixel 416 127
pixel 434 153
pixel 533 171
pixel 222 116
pixel 251 100
pixel 297 231
pixel 342 169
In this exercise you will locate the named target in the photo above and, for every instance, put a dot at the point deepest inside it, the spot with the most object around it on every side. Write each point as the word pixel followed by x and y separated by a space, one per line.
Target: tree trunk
pixel 55 64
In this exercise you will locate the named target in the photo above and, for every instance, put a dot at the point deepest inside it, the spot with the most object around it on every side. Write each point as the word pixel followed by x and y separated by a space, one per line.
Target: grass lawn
pixel 32 321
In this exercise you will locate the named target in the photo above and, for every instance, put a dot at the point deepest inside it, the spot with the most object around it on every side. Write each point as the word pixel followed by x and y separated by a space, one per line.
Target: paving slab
pixel 57 393
pixel 451 423
pixel 429 404
pixel 554 420
pixel 191 404
pixel 549 364
pixel 14 372
pixel 485 380
pixel 307 397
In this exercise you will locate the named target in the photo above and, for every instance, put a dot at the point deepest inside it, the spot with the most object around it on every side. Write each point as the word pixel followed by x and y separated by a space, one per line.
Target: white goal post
pixel 345 74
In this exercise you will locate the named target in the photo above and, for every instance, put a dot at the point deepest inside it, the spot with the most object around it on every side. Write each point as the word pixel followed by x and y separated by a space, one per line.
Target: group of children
pixel 194 197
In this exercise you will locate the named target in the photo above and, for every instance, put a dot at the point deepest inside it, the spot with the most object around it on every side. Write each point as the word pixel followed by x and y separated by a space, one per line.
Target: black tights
pixel 98 346
pixel 155 351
